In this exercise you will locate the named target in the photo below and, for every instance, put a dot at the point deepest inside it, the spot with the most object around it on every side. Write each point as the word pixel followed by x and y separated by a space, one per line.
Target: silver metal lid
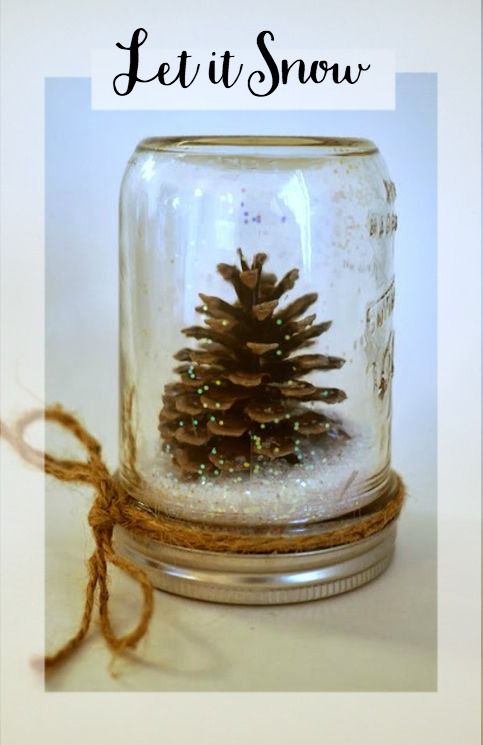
pixel 260 579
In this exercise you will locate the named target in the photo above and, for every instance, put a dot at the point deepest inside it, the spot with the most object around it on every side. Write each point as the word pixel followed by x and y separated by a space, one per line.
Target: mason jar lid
pixel 260 579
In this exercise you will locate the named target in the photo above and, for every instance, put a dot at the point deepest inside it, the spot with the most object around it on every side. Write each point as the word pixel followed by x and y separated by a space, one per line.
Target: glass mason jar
pixel 256 340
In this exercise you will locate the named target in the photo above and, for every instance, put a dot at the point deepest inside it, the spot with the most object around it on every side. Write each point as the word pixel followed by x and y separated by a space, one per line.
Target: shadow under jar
pixel 256 342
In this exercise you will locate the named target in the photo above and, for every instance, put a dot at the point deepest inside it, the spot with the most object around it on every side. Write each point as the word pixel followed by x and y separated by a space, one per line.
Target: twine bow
pixel 112 506
pixel 105 513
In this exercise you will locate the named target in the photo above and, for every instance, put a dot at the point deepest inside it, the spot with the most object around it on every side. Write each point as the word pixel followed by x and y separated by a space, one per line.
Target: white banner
pixel 265 77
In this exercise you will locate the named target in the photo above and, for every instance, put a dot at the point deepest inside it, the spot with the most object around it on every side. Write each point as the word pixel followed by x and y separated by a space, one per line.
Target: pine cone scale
pixel 246 379
pixel 228 426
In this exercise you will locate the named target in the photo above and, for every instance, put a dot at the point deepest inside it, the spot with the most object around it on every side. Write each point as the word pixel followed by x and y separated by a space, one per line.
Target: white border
pixel 43 38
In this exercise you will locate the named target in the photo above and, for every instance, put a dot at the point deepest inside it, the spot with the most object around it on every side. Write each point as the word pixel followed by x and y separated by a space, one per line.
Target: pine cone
pixel 240 398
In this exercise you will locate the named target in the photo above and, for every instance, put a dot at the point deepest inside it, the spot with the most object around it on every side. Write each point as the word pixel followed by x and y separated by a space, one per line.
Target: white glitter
pixel 338 477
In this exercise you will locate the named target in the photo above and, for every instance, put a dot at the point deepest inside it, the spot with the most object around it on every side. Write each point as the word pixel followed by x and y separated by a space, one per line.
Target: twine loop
pixel 105 513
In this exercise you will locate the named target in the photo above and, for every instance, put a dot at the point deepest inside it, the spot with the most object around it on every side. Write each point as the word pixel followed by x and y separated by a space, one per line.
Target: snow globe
pixel 256 358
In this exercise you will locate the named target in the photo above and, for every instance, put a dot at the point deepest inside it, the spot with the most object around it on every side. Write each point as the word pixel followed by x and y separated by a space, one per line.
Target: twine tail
pixel 129 640
pixel 71 645
pixel 105 513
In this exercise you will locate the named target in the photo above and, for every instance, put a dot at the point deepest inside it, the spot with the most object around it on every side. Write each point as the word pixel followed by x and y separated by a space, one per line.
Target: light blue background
pixel 86 153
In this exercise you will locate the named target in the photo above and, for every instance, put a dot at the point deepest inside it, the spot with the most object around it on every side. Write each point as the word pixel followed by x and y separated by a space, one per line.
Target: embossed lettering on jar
pixel 256 328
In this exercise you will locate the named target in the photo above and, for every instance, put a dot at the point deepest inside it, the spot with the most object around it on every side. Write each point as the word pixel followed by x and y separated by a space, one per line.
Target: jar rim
pixel 269 145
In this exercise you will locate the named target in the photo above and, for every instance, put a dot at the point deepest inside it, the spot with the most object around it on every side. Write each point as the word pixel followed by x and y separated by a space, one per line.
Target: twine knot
pixel 106 510
pixel 101 518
